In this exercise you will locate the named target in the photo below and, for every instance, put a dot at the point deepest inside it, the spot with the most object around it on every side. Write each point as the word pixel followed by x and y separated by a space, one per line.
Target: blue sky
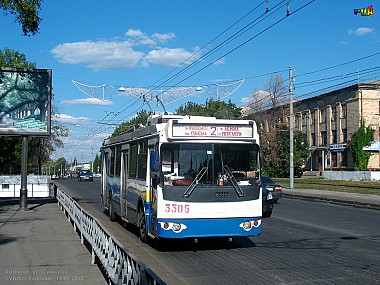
pixel 171 47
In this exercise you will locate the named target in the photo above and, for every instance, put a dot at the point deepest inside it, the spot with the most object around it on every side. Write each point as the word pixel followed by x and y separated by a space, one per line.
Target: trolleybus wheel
pixel 111 211
pixel 142 226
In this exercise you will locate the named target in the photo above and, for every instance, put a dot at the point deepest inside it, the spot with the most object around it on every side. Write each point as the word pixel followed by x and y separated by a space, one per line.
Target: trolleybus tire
pixel 142 226
pixel 111 210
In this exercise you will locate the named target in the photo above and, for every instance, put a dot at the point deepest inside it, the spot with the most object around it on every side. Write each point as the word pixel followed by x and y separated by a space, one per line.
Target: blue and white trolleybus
pixel 185 177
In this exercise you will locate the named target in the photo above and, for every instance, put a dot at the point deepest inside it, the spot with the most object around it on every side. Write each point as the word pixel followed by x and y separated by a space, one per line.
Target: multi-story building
pixel 330 119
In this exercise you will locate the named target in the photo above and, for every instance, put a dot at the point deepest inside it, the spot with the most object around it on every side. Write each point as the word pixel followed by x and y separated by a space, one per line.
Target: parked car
pixel 272 186
pixel 267 203
pixel 84 175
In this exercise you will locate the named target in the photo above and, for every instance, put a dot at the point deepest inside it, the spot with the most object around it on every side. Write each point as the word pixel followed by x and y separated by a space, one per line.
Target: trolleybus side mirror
pixel 154 161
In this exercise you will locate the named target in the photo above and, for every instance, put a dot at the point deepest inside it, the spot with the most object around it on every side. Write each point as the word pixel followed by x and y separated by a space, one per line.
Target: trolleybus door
pixel 123 184
pixel 104 178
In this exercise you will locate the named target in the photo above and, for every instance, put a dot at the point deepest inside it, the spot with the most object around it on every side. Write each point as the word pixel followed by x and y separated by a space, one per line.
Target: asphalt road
pixel 302 243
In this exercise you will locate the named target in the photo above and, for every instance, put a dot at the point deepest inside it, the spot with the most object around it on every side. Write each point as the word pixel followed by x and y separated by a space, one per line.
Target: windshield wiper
pixel 234 183
pixel 194 184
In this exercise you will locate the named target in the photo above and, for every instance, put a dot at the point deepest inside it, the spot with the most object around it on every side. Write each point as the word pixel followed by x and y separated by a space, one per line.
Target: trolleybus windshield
pixel 183 164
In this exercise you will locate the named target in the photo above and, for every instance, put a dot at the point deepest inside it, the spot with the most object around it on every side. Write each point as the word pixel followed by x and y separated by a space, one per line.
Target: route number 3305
pixel 177 208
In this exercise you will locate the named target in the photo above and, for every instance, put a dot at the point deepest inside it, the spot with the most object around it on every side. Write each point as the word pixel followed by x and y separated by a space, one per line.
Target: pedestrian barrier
pixel 121 266
pixel 38 186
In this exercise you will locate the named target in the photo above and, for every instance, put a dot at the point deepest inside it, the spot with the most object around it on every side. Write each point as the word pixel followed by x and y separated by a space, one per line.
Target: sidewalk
pixel 342 198
pixel 39 246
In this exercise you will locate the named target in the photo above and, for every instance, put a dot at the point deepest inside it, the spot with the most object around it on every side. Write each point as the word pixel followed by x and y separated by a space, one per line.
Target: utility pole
pixel 291 127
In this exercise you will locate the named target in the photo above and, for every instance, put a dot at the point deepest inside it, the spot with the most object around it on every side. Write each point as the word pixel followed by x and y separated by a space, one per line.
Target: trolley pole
pixel 291 127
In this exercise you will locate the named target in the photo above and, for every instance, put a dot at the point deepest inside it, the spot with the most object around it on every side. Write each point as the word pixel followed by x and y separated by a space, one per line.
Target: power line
pixel 237 47
pixel 223 43
pixel 204 46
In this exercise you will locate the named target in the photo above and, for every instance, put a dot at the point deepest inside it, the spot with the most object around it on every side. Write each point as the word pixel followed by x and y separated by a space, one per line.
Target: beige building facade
pixel 329 120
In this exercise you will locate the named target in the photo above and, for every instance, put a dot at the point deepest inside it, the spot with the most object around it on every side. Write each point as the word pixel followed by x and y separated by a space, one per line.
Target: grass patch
pixel 360 187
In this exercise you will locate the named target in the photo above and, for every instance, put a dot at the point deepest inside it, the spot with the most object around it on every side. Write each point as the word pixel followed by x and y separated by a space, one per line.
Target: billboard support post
pixel 24 174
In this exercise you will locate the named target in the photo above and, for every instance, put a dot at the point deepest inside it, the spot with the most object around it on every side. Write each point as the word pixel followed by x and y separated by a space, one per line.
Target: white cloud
pixel 87 101
pixel 98 55
pixel 360 31
pixel 220 61
pixel 168 56
pixel 69 119
pixel 136 34
pixel 114 54
pixel 163 37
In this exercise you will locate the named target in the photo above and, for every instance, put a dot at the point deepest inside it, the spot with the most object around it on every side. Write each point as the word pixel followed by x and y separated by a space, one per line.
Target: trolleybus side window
pixel 117 160
pixel 142 160
pixel 112 161
pixel 133 161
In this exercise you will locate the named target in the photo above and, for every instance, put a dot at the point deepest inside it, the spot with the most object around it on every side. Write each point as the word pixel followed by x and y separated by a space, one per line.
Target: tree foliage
pixel 14 59
pixel 135 123
pixel 97 164
pixel 277 154
pixel 268 110
pixel 26 13
pixel 361 138
pixel 212 108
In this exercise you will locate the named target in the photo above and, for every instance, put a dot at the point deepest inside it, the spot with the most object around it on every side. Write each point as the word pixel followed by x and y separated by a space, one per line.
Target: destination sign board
pixel 212 131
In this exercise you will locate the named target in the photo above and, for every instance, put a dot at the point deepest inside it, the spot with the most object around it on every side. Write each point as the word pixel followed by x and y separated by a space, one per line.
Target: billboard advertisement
pixel 25 102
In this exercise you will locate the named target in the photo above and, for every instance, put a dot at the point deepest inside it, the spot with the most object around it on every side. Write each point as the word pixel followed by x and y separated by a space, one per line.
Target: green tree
pixel 97 163
pixel 361 138
pixel 212 108
pixel 14 59
pixel 135 123
pixel 26 13
pixel 277 156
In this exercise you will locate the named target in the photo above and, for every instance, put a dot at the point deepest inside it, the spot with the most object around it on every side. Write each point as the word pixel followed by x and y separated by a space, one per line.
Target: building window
pixel 313 139
pixel 333 161
pixel 312 118
pixel 323 115
pixel 299 121
pixel 344 132
pixel 333 113
pixel 344 159
pixel 324 138
pixel 344 110
pixel 334 136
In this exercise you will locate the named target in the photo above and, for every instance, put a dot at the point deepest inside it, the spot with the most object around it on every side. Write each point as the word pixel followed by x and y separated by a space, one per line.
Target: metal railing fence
pixel 121 266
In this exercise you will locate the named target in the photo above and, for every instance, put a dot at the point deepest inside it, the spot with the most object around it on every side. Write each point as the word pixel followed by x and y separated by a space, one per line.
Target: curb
pixel 355 204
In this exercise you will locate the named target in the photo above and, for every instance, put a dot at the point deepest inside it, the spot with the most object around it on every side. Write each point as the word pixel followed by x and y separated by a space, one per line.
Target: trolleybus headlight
pixel 176 227
pixel 166 226
pixel 247 225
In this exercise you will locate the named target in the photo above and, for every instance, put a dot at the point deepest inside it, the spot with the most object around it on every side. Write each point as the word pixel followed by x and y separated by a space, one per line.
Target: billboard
pixel 25 102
